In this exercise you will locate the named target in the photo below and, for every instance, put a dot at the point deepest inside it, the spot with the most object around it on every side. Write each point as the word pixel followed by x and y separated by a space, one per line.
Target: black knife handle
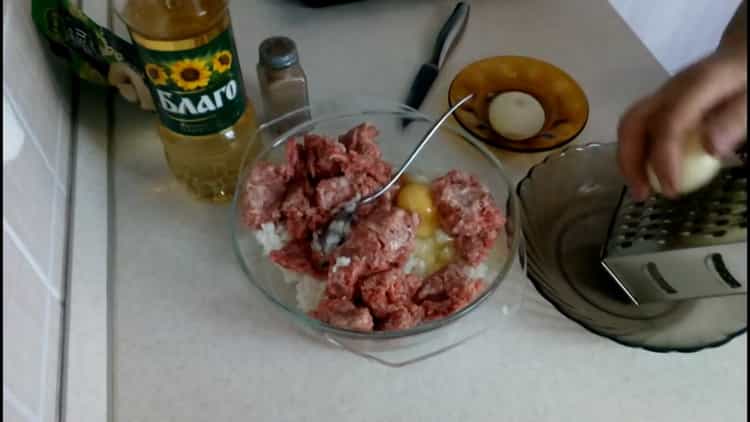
pixel 450 33
pixel 423 81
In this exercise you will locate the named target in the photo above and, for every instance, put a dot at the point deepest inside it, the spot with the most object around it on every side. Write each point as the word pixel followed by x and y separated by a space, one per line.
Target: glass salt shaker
pixel 283 84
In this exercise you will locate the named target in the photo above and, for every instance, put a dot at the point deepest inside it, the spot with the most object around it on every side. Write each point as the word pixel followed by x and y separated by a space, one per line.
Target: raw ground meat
pixel 388 295
pixel 405 316
pixel 333 192
pixel 296 209
pixel 387 291
pixel 342 282
pixel 447 291
pixel 467 211
pixel 367 288
pixel 361 140
pixel 474 249
pixel 298 256
pixel 325 157
pixel 295 159
pixel 383 240
pixel 343 313
pixel 264 191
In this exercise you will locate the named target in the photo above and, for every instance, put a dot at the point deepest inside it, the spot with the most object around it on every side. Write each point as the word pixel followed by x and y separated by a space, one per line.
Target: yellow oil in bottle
pixel 205 119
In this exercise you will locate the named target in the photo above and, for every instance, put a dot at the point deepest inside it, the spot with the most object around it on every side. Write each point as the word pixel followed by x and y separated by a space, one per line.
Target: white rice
pixel 442 237
pixel 341 262
pixel 415 265
pixel 480 271
pixel 271 237
pixel 309 292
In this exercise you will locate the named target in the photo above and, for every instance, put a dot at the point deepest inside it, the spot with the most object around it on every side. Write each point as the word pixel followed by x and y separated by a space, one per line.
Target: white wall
pixel 36 161
pixel 677 32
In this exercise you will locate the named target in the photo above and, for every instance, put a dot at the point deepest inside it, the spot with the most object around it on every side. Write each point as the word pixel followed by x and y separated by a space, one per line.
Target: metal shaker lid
pixel 278 52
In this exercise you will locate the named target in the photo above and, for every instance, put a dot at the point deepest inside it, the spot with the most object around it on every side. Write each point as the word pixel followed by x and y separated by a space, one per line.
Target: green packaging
pixel 93 53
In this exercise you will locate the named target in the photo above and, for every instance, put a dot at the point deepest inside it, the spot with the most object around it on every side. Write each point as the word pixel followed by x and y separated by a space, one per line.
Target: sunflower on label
pixel 196 91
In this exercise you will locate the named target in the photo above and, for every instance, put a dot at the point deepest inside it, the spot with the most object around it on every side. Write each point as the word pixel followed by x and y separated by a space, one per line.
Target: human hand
pixel 709 96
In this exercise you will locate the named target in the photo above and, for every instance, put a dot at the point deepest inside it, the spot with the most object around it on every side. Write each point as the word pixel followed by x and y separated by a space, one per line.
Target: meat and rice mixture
pixel 414 255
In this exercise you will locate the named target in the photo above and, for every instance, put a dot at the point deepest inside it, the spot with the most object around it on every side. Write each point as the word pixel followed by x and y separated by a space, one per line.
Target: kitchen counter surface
pixel 192 340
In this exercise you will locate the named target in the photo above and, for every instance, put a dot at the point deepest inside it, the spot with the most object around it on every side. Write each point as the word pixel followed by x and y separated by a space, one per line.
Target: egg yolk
pixel 416 197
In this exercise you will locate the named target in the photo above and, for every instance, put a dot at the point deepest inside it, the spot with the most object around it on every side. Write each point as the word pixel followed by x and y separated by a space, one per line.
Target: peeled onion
pixel 698 167
pixel 516 115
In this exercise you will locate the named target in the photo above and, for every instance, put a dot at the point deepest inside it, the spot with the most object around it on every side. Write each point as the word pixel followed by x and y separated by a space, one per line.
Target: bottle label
pixel 94 53
pixel 198 91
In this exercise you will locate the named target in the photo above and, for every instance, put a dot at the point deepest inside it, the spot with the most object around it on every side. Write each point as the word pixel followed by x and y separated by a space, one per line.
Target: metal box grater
pixel 696 246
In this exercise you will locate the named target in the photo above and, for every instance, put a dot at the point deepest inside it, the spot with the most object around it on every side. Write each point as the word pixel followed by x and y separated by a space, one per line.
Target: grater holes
pixel 719 233
pixel 715 263
pixel 722 222
pixel 652 272
pixel 660 214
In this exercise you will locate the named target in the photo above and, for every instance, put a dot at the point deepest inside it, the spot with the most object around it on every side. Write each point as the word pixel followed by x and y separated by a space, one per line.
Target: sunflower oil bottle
pixel 205 119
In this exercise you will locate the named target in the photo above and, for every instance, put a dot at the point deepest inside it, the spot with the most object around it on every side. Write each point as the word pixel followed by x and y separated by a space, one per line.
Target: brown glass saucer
pixel 565 105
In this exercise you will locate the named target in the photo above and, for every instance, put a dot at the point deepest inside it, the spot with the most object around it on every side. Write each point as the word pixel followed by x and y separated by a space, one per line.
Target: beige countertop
pixel 192 340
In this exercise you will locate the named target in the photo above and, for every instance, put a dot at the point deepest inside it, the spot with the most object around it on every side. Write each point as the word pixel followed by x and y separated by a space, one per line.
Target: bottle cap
pixel 278 52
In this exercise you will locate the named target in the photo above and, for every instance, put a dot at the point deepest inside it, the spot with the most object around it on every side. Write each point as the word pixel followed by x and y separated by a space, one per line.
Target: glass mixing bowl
pixel 451 148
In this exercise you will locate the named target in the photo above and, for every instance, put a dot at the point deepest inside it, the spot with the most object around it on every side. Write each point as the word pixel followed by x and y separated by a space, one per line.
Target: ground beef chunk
pixel 368 185
pixel 298 256
pixel 367 174
pixel 446 291
pixel 342 281
pixel 295 159
pixel 295 209
pixel 333 192
pixel 405 316
pixel 324 156
pixel 342 313
pixel 263 194
pixel 474 249
pixel 368 289
pixel 386 291
pixel 361 140
pixel 383 240
pixel 467 211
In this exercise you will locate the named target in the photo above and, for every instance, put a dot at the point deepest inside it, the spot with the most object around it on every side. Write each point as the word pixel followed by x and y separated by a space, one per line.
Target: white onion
pixel 516 115
pixel 697 169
